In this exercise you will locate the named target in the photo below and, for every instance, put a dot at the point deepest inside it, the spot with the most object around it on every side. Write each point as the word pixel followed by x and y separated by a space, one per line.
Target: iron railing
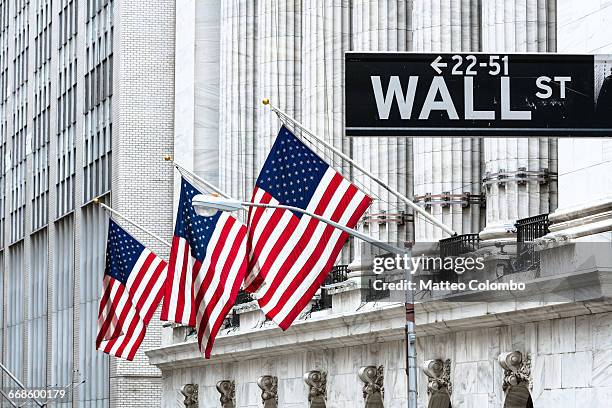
pixel 339 273
pixel 459 245
pixel 231 321
pixel 372 295
pixel 527 230
pixel 243 297
pixel 531 228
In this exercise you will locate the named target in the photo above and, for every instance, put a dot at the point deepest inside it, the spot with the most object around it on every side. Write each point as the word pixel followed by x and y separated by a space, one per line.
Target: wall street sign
pixel 410 94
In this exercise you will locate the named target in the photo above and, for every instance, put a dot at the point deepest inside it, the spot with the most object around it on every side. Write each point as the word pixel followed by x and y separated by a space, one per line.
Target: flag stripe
pixel 216 295
pixel 294 240
pixel 296 304
pixel 309 249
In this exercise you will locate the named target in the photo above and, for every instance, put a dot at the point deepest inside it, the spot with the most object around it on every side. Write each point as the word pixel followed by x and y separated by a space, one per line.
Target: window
pixel 97 143
pixel 66 108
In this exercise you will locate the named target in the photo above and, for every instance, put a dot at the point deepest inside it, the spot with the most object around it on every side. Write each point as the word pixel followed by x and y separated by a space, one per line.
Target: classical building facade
pixel 550 346
pixel 86 111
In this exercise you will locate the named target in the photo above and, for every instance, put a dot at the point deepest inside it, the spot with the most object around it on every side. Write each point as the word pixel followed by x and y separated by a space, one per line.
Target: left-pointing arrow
pixel 436 64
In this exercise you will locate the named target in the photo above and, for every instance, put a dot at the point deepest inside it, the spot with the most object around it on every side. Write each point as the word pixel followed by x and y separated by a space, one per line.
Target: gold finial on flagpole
pixel 96 200
pixel 266 101
pixel 167 157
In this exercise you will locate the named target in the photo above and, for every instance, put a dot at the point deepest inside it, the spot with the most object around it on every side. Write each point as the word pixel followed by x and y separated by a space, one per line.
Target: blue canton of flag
pixel 197 230
pixel 122 252
pixel 291 172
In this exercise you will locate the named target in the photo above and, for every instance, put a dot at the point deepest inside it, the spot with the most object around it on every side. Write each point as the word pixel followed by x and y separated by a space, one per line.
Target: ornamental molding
pixel 517 369
pixel 373 378
pixel 316 381
pixel 190 392
pixel 269 390
pixel 330 332
pixel 438 374
pixel 227 389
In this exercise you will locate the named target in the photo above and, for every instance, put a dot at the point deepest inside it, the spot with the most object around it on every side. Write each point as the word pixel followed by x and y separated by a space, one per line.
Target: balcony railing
pixel 243 297
pixel 231 321
pixel 459 245
pixel 339 273
pixel 372 295
pixel 528 230
pixel 531 228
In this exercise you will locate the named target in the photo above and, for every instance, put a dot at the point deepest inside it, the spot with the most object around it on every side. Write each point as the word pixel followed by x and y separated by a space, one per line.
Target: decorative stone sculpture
pixel 190 392
pixel 269 390
pixel 517 370
pixel 227 389
pixel 438 374
pixel 373 390
pixel 317 388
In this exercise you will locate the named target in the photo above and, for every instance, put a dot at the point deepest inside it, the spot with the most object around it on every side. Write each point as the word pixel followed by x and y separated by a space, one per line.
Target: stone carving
pixel 438 374
pixel 317 388
pixel 373 390
pixel 190 392
pixel 517 370
pixel 269 390
pixel 227 389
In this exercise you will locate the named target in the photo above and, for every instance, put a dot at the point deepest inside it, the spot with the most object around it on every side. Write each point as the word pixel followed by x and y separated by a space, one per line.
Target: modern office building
pixel 86 111
pixel 497 193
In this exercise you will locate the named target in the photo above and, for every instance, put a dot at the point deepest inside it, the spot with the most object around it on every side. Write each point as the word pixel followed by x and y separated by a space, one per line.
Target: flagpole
pixel 123 217
pixel 396 193
pixel 198 178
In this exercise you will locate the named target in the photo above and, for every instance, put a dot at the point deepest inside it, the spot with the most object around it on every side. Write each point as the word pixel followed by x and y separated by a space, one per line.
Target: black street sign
pixel 410 94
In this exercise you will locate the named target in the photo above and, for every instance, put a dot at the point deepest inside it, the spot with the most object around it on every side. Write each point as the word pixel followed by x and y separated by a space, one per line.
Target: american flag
pixel 206 268
pixel 290 253
pixel 131 291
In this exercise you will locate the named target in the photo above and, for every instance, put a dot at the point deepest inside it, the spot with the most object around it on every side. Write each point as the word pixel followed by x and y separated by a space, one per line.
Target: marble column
pixel 260 58
pixel 516 179
pixel 279 70
pixel 447 170
pixel 238 82
pixel 325 38
pixel 384 26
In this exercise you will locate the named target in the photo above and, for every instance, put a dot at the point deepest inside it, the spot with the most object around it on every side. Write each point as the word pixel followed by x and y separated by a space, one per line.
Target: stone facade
pixel 474 352
pixel 564 348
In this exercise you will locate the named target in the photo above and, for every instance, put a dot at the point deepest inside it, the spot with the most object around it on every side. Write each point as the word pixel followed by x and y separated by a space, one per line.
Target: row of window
pixel 97 115
pixel 42 114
